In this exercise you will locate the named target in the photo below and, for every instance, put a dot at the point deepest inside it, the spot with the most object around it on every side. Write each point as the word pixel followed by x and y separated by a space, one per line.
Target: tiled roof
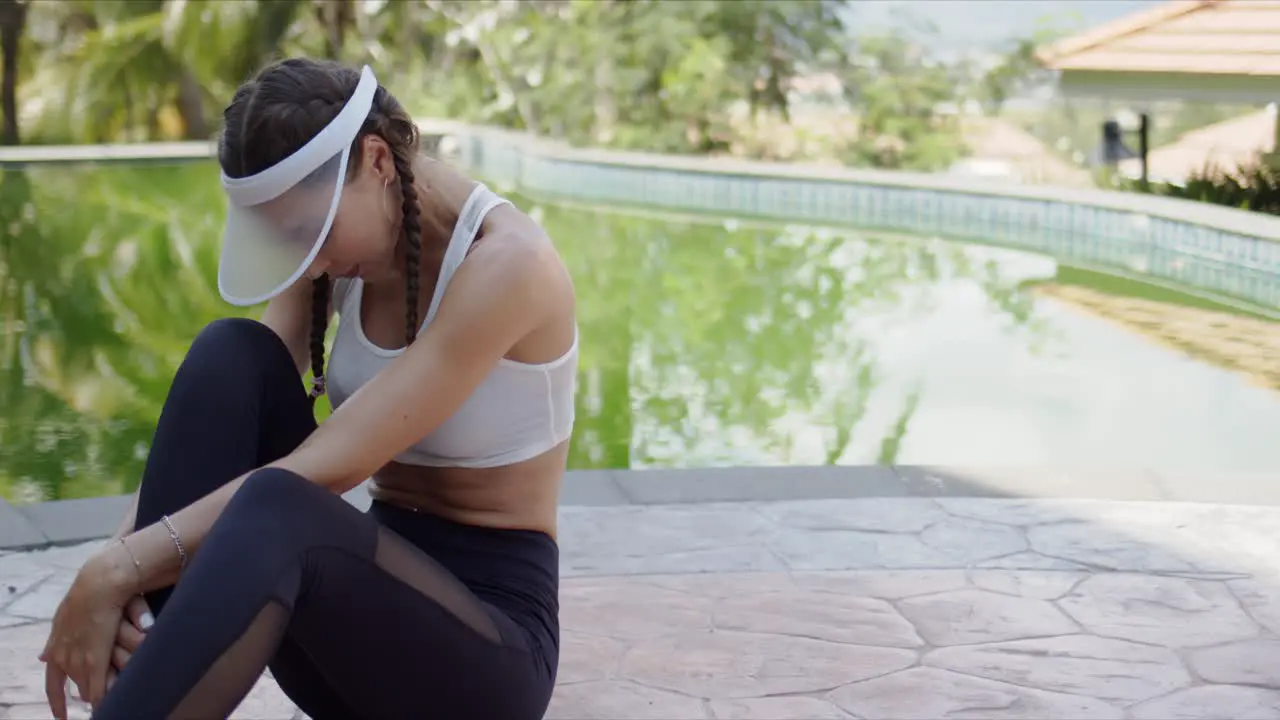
pixel 1202 37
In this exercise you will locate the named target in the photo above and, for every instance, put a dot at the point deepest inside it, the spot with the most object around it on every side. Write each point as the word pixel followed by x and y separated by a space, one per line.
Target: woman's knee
pixel 272 490
pixel 241 350
pixel 265 530
pixel 283 505
pixel 236 337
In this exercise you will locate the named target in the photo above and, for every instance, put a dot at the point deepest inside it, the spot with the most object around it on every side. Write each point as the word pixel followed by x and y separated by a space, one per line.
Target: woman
pixel 441 601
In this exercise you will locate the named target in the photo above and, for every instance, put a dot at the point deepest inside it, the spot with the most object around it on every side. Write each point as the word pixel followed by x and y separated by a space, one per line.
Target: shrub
pixel 1254 185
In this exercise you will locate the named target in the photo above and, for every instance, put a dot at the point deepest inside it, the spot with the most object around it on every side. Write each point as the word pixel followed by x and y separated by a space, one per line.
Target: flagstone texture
pixel 894 608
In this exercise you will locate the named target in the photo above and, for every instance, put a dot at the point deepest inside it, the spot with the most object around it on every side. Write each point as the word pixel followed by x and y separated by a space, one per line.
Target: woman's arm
pixel 496 298
pixel 130 517
pixel 289 315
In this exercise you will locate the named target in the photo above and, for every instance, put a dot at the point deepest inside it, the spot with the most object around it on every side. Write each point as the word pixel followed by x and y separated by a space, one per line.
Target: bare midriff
pixel 522 496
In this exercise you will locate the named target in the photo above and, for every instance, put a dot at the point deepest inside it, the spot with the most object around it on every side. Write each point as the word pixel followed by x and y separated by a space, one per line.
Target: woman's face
pixel 362 238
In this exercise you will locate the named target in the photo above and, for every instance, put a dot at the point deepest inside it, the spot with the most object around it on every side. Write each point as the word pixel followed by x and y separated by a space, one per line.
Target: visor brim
pixel 267 247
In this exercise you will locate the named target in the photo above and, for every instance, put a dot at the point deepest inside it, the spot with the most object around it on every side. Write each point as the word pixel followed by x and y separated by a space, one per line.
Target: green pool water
pixel 704 343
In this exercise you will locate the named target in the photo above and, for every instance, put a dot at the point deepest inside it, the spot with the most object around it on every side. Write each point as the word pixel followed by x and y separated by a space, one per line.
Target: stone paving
pixel 866 608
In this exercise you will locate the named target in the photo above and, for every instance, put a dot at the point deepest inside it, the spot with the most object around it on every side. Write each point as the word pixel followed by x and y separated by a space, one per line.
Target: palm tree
pixel 151 69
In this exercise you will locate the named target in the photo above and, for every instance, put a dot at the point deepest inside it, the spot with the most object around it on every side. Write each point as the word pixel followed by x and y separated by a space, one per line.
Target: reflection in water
pixel 702 344
pixel 1248 345
pixel 105 277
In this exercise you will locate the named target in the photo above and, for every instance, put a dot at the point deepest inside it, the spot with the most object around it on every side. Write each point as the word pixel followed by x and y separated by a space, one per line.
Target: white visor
pixel 278 219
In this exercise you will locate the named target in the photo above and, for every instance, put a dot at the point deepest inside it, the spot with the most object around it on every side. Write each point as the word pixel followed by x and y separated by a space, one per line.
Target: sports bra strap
pixel 479 203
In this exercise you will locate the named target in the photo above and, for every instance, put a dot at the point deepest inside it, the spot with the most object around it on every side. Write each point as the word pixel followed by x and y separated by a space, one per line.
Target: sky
pixel 967 25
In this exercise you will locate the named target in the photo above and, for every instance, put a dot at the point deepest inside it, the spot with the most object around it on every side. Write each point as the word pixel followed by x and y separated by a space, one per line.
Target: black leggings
pixel 382 615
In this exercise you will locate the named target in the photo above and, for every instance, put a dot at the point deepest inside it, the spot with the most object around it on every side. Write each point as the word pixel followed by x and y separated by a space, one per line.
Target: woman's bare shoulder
pixel 522 247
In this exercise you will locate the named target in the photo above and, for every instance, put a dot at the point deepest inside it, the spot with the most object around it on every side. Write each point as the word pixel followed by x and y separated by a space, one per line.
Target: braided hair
pixel 276 113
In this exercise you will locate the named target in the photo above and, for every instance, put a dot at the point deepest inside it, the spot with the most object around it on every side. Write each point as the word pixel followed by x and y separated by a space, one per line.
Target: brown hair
pixel 277 112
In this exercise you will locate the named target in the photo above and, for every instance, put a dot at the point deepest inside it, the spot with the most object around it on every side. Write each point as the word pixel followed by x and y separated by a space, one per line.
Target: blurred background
pixel 709 338
pixel 910 84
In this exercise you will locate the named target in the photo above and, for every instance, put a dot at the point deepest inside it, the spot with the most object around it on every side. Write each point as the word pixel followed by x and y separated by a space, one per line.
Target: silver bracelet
pixel 177 541
pixel 136 565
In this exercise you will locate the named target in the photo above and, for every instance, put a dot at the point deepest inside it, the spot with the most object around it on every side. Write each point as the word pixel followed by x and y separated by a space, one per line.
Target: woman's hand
pixel 134 624
pixel 85 628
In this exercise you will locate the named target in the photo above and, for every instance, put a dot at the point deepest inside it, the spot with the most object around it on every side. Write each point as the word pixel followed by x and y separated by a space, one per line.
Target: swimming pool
pixel 706 342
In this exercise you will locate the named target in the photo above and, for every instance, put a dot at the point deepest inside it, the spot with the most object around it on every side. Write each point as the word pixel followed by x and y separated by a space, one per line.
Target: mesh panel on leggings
pixel 234 673
pixel 408 564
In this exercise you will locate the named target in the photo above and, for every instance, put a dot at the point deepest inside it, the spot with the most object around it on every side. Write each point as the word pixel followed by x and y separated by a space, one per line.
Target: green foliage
pixel 694 76
pixel 1252 186
pixel 900 90
pixel 638 72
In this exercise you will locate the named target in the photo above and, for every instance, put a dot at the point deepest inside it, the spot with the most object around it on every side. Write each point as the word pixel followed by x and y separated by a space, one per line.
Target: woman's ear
pixel 378 160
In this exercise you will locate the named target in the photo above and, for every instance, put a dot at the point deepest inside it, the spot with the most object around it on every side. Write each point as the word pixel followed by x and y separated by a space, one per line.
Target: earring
pixel 386 183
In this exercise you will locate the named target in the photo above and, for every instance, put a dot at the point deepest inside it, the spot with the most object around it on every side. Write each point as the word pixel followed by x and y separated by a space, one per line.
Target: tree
pixel 649 74
pixel 900 91
pixel 120 70
pixel 13 16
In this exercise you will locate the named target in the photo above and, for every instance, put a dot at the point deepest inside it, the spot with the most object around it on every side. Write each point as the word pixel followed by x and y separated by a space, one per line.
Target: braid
pixel 319 325
pixel 412 231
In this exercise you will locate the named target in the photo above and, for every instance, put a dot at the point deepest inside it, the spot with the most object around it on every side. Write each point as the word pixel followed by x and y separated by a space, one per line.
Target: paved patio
pixel 872 607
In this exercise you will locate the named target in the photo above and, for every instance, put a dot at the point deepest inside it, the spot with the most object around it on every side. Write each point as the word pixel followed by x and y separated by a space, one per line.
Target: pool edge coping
pixel 35 526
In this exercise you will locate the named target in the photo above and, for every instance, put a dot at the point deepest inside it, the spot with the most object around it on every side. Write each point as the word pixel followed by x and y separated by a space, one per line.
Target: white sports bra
pixel 518 411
